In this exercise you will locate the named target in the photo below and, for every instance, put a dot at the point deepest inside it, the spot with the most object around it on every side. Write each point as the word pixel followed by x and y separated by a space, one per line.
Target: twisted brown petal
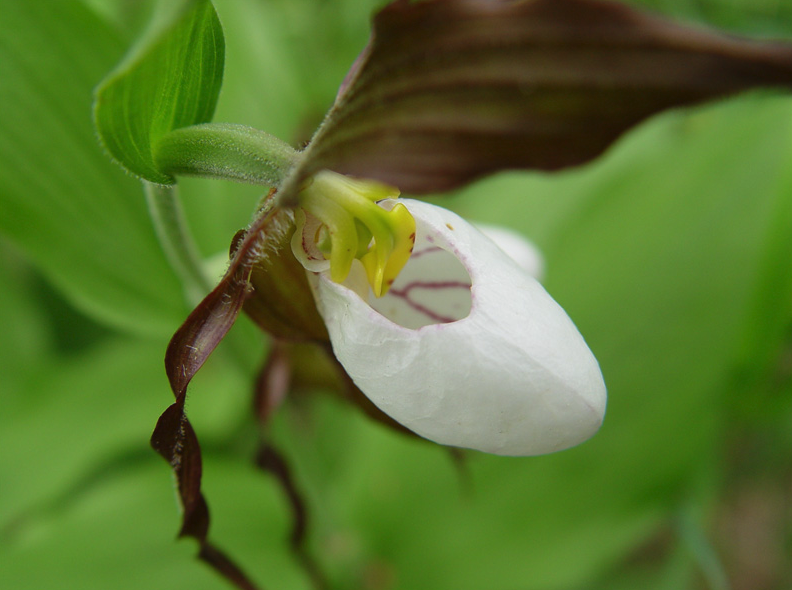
pixel 174 437
pixel 450 90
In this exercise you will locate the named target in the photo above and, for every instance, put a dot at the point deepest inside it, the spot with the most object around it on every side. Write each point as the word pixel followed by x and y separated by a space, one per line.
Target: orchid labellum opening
pixel 465 348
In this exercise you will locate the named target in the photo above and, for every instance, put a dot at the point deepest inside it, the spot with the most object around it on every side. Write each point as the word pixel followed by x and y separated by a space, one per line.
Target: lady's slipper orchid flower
pixel 466 348
pixel 443 331
pixel 439 327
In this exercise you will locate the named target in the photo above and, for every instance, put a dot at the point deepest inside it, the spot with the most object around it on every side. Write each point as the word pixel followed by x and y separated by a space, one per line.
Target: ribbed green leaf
pixel 25 339
pixel 73 213
pixel 84 493
pixel 171 79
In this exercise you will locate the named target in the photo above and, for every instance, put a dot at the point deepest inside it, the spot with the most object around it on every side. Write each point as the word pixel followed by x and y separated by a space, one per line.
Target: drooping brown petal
pixel 270 460
pixel 174 437
pixel 272 383
pixel 450 90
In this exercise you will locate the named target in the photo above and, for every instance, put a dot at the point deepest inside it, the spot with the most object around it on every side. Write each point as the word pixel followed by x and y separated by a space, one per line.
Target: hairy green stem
pixel 176 240
pixel 225 151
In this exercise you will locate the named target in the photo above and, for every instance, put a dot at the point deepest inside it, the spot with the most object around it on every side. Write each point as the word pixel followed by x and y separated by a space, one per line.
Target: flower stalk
pixel 176 239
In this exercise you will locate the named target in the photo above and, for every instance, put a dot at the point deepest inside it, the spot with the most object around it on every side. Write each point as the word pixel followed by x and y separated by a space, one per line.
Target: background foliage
pixel 671 253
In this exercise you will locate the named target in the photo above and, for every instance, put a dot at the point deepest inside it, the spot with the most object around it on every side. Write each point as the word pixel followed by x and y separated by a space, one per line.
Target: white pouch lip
pixel 512 377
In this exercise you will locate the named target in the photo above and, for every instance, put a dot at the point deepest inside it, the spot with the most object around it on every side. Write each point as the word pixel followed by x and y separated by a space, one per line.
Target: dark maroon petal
pixel 272 384
pixel 210 321
pixel 174 437
pixel 450 90
pixel 215 558
pixel 270 460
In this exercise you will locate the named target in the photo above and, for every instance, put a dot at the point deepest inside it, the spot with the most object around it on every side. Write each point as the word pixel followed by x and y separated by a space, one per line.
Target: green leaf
pixel 85 493
pixel 76 414
pixel 766 18
pixel 62 423
pixel 26 341
pixel 171 79
pixel 130 17
pixel 118 533
pixel 73 213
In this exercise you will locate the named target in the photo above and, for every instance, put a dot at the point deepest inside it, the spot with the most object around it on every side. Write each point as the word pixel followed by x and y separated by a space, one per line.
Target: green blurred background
pixel 673 254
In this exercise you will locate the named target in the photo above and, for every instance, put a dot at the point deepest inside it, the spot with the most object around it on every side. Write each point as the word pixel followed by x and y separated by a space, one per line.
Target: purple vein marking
pixel 428 250
pixel 404 293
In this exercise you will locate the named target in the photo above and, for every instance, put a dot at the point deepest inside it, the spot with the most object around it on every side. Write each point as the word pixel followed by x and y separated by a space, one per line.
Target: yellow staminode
pixel 348 224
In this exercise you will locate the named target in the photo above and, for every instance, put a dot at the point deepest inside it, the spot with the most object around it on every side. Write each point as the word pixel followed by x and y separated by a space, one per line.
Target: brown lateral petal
pixel 450 90
pixel 270 460
pixel 174 437
pixel 272 383
pixel 210 321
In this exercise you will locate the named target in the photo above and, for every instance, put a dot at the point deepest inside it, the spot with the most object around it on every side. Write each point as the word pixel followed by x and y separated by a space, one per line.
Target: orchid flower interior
pixel 430 326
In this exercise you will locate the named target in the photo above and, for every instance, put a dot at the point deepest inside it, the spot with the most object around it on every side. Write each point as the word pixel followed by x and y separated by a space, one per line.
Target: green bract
pixel 170 80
